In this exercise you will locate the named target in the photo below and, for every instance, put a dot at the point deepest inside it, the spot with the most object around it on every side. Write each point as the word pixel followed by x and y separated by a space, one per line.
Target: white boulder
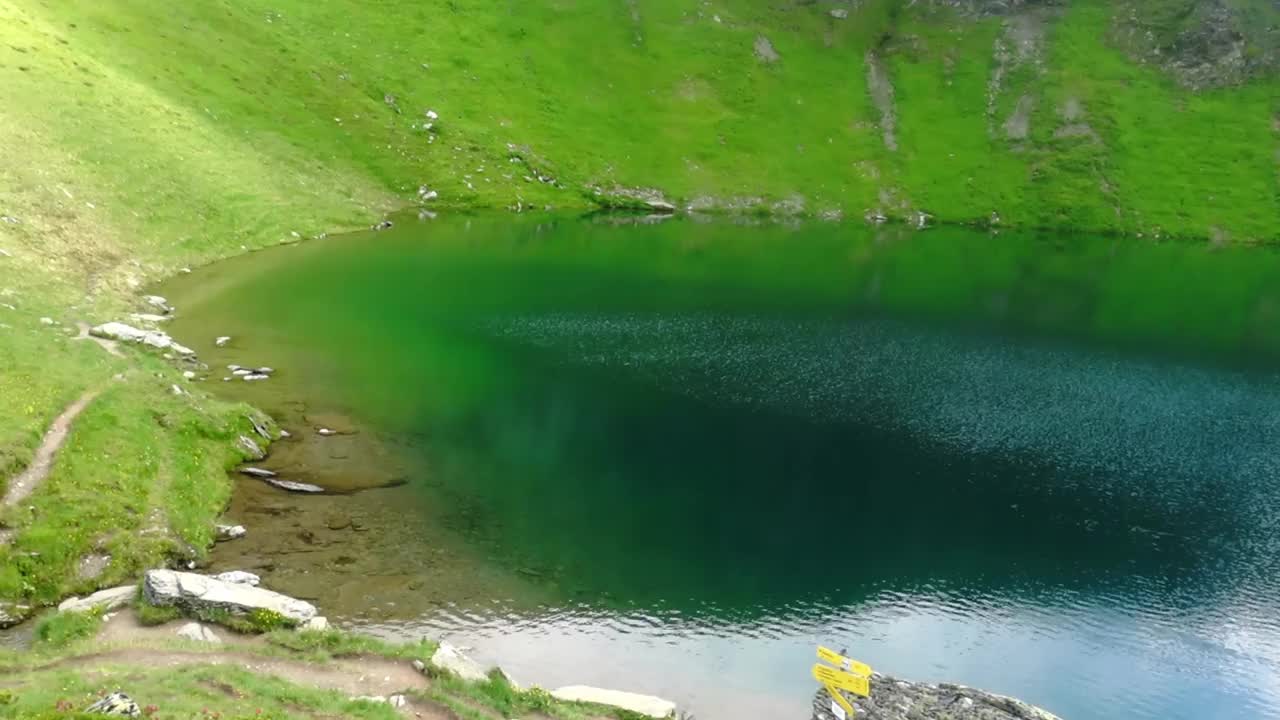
pixel 449 658
pixel 108 600
pixel 223 533
pixel 318 623
pixel 170 588
pixel 647 705
pixel 196 632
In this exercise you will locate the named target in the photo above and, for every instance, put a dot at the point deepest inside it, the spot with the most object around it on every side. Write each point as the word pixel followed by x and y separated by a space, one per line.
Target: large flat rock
pixel 170 588
pixel 647 705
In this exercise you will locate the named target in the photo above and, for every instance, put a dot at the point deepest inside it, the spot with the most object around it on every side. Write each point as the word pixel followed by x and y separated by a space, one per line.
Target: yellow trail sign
pixel 839 703
pixel 856 684
pixel 840 661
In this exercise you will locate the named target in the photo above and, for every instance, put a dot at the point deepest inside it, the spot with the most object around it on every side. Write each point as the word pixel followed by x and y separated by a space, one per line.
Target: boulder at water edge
pixel 449 658
pixel 192 592
pixel 647 705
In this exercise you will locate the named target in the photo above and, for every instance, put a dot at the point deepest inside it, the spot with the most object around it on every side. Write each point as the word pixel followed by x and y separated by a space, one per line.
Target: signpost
pixel 849 675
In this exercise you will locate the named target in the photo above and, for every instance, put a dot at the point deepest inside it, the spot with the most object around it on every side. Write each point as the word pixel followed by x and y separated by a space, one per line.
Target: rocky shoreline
pixel 894 699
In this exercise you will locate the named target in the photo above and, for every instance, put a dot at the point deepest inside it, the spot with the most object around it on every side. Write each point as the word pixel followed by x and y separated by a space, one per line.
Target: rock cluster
pixel 893 699
pixel 127 333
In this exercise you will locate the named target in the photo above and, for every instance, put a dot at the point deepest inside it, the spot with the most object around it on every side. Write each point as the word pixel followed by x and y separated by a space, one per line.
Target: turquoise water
pixel 682 455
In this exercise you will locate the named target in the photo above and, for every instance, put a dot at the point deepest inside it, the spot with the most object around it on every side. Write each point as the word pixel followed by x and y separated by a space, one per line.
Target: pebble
pixel 189 375
pixel 222 340
pixel 326 432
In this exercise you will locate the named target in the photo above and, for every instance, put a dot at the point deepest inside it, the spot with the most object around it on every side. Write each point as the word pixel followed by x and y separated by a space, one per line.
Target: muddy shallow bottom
pixel 675 458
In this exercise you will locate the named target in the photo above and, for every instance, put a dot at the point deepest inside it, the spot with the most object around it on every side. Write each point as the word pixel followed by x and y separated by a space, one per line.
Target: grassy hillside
pixel 141 137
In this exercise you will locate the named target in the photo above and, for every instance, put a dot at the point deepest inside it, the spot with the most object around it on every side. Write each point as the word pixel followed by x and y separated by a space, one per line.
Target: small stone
pixel 177 390
pixel 839 13
pixel 384 225
pixel 257 472
pixel 326 432
pixel 46 321
pixel 198 633
pixel 371 699
pixel 222 340
pixel 285 434
pixel 397 701
pixel 223 533
pixel 265 370
pixel 189 375
pixel 419 666
pixel 432 115
pixel 242 372
pixel 256 376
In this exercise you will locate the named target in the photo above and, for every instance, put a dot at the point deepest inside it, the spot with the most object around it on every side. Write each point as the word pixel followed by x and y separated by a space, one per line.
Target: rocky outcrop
pixel 199 593
pixel 893 699
pixel 104 600
pixel 121 332
pixel 646 705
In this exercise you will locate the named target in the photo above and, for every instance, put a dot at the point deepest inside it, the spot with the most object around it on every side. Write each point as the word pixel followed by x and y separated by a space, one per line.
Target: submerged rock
pixel 222 340
pixel 239 577
pixel 108 600
pixel 192 592
pixel 292 486
pixel 647 705
pixel 257 472
pixel 893 699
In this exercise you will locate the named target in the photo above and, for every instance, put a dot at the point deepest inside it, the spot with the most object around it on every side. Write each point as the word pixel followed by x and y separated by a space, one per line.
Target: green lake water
pixel 675 457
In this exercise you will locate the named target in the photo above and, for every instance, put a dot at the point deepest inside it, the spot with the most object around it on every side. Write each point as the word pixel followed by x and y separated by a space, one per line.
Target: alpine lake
pixel 673 456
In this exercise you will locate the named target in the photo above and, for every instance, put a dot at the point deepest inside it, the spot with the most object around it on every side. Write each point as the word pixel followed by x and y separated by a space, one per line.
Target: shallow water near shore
pixel 674 457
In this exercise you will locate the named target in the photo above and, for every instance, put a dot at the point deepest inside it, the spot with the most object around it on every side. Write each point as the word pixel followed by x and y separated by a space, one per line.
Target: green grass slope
pixel 140 137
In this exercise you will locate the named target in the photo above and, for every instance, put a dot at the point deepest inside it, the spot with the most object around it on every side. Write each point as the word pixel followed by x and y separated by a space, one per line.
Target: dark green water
pixel 674 458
